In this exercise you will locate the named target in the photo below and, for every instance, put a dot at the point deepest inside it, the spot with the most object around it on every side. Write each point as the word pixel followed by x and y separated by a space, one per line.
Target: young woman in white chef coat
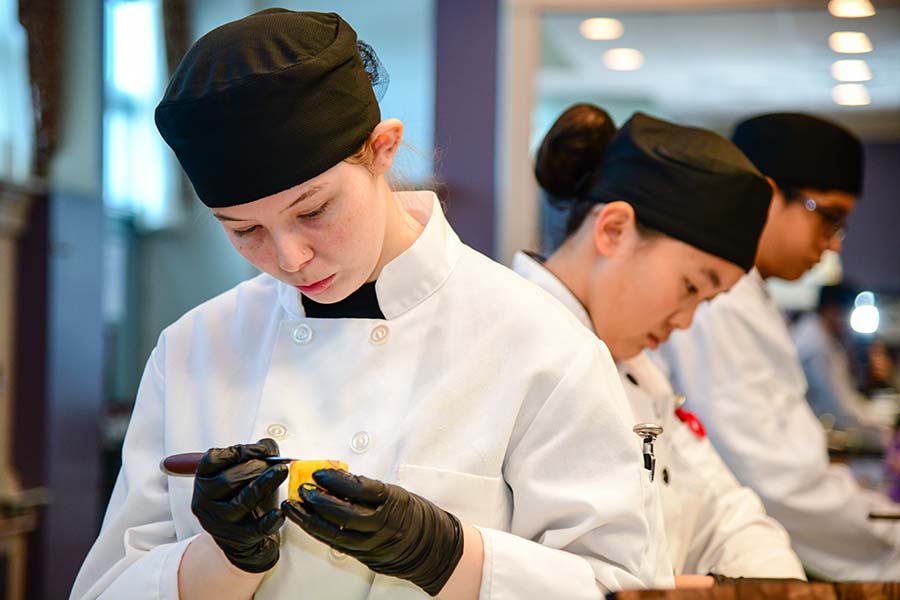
pixel 373 336
pixel 739 368
pixel 661 218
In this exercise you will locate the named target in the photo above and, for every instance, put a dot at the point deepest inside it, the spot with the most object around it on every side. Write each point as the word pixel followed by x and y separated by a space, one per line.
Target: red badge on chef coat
pixel 692 421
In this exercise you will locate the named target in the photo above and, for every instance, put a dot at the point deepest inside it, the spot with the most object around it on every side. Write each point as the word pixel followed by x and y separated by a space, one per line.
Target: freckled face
pixel 325 236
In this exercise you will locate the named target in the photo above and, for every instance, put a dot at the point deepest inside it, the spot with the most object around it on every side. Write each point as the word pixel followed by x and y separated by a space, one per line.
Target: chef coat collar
pixel 530 266
pixel 416 273
pixel 759 283
pixel 534 271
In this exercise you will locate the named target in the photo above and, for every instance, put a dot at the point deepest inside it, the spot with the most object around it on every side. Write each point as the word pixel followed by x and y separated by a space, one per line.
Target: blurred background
pixel 103 244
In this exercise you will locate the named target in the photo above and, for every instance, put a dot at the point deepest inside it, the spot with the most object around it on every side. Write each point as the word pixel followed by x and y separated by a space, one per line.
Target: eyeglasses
pixel 834 222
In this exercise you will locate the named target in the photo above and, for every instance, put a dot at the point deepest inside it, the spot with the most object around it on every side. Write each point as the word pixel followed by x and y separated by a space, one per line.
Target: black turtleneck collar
pixel 361 304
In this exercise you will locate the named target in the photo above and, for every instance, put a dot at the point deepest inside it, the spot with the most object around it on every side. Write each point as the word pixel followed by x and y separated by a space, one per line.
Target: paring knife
pixel 185 465
pixel 885 516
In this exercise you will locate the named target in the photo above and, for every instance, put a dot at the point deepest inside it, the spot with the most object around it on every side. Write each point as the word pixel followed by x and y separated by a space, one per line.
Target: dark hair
pixel 841 296
pixel 570 158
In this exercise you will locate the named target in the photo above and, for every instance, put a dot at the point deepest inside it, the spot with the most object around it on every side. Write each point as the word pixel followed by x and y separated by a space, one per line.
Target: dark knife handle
pixel 885 516
pixel 185 464
pixel 181 465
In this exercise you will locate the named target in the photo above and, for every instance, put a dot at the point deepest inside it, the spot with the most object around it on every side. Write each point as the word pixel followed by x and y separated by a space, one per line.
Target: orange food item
pixel 302 470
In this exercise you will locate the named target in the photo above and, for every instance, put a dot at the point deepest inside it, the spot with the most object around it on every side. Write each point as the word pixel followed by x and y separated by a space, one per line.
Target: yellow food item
pixel 302 470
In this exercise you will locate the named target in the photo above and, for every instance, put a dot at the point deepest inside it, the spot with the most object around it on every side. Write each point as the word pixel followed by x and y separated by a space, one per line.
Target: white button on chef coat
pixel 359 443
pixel 467 421
pixel 740 371
pixel 276 431
pixel 712 523
pixel 379 334
pixel 302 334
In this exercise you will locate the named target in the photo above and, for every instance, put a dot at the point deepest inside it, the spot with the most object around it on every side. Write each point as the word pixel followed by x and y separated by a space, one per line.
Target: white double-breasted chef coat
pixel 713 524
pixel 740 370
pixel 478 392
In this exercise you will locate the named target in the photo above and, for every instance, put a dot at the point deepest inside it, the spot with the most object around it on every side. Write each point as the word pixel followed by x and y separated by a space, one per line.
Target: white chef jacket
pixel 713 524
pixel 739 369
pixel 476 390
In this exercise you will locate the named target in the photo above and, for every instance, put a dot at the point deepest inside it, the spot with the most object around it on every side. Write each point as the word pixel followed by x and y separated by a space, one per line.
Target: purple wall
pixel 59 383
pixel 74 388
pixel 465 96
pixel 29 410
pixel 871 252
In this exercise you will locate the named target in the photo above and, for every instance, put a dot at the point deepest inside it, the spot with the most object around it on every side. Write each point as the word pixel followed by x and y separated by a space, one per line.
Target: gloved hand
pixel 235 502
pixel 390 530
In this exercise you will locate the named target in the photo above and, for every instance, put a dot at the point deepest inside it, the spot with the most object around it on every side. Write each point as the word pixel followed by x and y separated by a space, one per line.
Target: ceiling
pixel 713 68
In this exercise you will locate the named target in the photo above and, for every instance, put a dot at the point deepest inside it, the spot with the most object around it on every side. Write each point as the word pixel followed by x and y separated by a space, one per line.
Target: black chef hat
pixel 691 184
pixel 267 102
pixel 803 151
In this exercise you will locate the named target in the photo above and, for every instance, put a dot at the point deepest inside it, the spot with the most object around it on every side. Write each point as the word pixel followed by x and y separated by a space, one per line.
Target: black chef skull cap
pixel 689 183
pixel 267 102
pixel 803 151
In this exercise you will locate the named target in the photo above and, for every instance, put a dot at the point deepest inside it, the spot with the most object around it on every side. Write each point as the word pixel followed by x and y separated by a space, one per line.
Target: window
pixel 16 117
pixel 139 178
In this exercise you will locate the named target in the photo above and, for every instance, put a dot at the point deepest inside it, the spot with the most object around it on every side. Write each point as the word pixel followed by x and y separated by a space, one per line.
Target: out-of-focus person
pixel 822 340
pixel 892 465
pixel 882 371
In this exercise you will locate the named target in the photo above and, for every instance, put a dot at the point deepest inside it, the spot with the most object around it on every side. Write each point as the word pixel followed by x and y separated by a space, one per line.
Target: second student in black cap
pixel 487 432
pixel 739 368
pixel 661 218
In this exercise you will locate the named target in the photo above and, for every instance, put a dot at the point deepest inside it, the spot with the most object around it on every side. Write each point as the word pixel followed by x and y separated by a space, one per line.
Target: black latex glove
pixel 390 530
pixel 235 502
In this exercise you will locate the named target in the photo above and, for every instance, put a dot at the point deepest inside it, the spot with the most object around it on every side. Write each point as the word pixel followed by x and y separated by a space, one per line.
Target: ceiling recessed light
pixel 851 94
pixel 851 70
pixel 851 9
pixel 601 29
pixel 623 59
pixel 849 42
